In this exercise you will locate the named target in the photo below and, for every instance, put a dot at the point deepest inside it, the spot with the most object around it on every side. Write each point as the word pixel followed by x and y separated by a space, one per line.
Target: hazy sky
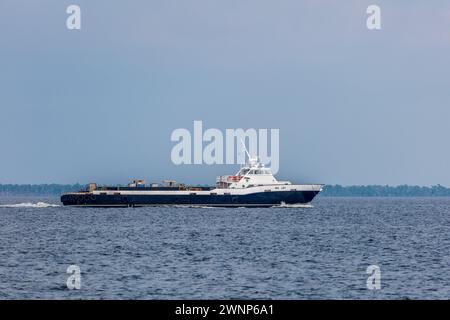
pixel 353 106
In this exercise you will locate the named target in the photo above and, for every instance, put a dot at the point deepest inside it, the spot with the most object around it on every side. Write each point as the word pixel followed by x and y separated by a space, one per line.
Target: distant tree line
pixel 385 191
pixel 38 189
pixel 328 191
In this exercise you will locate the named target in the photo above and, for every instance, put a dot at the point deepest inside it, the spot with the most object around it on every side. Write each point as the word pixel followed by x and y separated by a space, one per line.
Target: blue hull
pixel 261 199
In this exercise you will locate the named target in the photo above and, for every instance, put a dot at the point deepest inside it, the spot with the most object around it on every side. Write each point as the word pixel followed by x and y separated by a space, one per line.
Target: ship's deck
pixel 158 188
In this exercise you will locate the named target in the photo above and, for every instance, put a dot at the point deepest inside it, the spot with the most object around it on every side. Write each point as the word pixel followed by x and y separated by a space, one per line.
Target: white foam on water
pixel 29 205
pixel 194 206
pixel 298 205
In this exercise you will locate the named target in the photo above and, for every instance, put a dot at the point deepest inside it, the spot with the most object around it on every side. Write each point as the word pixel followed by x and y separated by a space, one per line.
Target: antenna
pixel 245 149
pixel 251 161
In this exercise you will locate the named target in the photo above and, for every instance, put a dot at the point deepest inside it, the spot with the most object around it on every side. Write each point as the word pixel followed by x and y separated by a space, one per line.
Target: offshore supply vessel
pixel 252 186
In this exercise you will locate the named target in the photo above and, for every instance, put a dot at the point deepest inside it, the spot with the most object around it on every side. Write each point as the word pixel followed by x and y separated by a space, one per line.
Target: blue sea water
pixel 319 252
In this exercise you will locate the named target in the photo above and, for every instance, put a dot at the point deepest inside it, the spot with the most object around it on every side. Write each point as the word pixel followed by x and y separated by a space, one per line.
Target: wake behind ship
pixel 252 186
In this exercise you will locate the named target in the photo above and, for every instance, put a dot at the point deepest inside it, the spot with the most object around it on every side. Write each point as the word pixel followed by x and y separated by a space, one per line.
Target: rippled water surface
pixel 205 253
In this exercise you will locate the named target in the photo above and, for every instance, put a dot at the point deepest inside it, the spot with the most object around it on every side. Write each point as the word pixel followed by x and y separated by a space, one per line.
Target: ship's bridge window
pixel 243 172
